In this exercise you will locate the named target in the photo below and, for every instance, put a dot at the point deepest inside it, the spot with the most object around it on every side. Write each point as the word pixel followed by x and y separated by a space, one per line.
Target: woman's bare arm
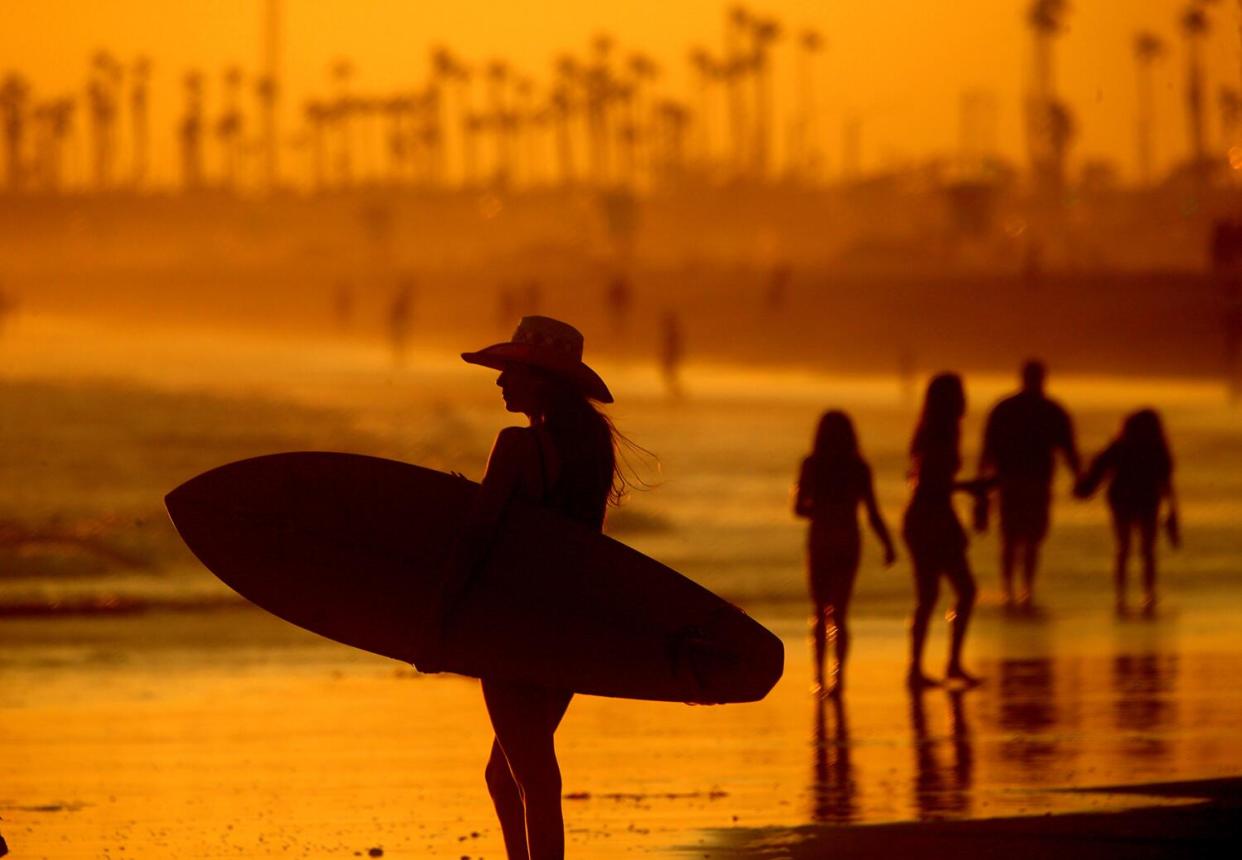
pixel 509 459
pixel 803 502
pixel 876 519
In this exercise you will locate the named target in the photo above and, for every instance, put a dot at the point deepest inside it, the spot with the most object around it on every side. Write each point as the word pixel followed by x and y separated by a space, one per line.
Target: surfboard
pixel 354 548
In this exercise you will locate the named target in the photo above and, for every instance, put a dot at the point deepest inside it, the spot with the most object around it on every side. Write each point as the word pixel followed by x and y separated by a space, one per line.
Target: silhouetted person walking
pixel 8 307
pixel 565 460
pixel 400 316
pixel 1139 468
pixel 343 305
pixel 777 293
pixel 932 532
pixel 1020 440
pixel 672 349
pixel 834 480
pixel 619 298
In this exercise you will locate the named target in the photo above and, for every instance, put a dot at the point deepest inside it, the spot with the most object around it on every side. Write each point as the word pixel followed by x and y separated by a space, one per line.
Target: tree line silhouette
pixel 601 120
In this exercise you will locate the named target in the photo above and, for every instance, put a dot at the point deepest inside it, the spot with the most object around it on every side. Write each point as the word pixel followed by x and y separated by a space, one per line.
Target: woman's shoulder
pixel 514 443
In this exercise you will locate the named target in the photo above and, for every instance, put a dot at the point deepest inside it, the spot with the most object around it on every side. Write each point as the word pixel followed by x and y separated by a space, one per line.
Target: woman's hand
pixel 1173 528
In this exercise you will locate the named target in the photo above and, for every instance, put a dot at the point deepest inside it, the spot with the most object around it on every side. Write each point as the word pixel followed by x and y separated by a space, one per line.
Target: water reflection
pixel 833 792
pixel 942 789
pixel 1029 718
pixel 1145 704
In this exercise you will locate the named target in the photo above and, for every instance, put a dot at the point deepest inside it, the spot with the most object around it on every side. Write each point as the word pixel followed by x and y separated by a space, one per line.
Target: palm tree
pixel 140 77
pixel 738 63
pixel 398 152
pixel 522 121
pixel 1148 48
pixel 601 91
pixel 764 32
pixel 444 72
pixel 265 94
pixel 474 126
pixel 318 119
pixel 190 132
pixel 1195 25
pixel 672 121
pixel 707 73
pixel 498 115
pixel 267 91
pixel 810 44
pixel 102 96
pixel 14 99
pixel 229 127
pixel 643 72
pixel 564 105
pixel 1049 128
pixel 343 108
pixel 53 121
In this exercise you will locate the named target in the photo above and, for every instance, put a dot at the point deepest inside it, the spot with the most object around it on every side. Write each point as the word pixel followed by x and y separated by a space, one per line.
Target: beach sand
pixel 147 714
pixel 232 735
pixel 1206 825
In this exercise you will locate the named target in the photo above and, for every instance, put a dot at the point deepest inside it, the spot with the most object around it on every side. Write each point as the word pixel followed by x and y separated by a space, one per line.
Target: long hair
pixel 835 457
pixel 939 427
pixel 586 442
pixel 1142 440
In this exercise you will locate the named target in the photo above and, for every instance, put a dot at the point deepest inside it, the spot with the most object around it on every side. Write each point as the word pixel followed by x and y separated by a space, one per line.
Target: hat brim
pixel 500 355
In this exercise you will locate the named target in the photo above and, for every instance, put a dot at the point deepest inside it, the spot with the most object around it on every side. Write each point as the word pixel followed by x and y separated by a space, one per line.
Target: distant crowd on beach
pixel 1022 437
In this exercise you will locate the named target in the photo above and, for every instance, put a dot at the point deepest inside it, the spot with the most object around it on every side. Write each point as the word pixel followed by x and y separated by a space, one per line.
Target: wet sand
pixel 234 735
pixel 217 731
pixel 1206 826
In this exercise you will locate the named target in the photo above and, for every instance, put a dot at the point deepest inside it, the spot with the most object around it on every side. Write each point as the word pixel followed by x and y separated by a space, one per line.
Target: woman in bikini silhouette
pixel 564 460
pixel 833 482
pixel 932 531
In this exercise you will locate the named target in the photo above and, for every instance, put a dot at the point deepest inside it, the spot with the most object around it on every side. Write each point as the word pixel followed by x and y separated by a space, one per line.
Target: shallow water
pixel 190 728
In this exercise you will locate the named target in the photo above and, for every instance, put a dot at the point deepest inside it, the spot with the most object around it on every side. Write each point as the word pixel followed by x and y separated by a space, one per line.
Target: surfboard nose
pixel 735 659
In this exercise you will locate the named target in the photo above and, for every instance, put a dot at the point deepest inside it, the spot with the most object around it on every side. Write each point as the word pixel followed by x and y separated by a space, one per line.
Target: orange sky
pixel 899 66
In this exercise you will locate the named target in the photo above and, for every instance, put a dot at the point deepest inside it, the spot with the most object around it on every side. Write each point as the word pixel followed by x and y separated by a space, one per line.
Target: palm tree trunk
pixel 1145 121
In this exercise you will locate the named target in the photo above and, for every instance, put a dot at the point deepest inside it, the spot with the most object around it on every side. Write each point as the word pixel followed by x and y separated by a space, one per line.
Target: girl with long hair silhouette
pixel 833 482
pixel 932 532
pixel 1139 467
pixel 565 460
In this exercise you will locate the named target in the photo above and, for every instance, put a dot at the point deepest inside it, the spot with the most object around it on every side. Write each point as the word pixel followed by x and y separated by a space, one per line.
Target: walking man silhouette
pixel 1020 440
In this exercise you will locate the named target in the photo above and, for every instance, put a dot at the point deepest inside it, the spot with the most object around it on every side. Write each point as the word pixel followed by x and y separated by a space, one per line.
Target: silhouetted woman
pixel 1139 467
pixel 833 482
pixel 932 532
pixel 564 460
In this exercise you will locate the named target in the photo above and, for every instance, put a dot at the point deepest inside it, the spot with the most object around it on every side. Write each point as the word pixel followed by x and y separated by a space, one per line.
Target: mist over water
pixel 102 422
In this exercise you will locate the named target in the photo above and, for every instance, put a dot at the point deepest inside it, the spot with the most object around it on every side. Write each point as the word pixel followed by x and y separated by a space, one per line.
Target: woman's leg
pixel 1121 531
pixel 963 582
pixel 525 718
pixel 927 591
pixel 841 644
pixel 508 802
pixel 1147 547
pixel 840 626
pixel 819 637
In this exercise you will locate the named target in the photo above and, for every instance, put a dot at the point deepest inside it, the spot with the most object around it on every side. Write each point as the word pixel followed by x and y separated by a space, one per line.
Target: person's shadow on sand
pixel 942 790
pixel 833 791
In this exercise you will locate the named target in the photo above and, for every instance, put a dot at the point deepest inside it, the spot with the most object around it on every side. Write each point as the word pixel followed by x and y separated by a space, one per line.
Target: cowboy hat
pixel 548 344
